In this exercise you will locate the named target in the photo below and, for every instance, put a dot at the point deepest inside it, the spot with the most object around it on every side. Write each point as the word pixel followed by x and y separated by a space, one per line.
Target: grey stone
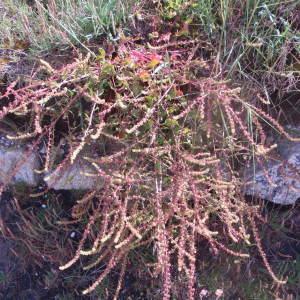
pixel 277 179
pixel 17 164
pixel 73 177
pixel 18 65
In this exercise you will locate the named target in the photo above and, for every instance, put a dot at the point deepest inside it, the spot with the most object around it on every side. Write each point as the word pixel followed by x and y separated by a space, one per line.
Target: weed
pixel 169 181
pixel 177 127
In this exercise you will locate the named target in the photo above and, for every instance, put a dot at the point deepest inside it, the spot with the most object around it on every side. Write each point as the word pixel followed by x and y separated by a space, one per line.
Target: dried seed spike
pixel 47 66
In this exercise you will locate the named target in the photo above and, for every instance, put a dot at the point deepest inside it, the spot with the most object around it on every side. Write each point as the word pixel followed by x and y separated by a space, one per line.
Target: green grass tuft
pixel 55 23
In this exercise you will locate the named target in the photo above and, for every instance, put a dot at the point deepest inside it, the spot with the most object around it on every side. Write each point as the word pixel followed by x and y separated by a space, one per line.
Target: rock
pixel 15 64
pixel 76 176
pixel 18 165
pixel 276 180
pixel 16 160
pixel 73 177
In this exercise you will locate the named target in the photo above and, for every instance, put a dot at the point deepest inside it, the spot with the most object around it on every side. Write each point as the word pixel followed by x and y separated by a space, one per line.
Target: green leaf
pixel 101 54
pixel 171 123
pixel 108 70
pixel 136 87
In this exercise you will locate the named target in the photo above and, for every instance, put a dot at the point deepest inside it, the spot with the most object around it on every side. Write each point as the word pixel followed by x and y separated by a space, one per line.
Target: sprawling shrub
pixel 175 131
